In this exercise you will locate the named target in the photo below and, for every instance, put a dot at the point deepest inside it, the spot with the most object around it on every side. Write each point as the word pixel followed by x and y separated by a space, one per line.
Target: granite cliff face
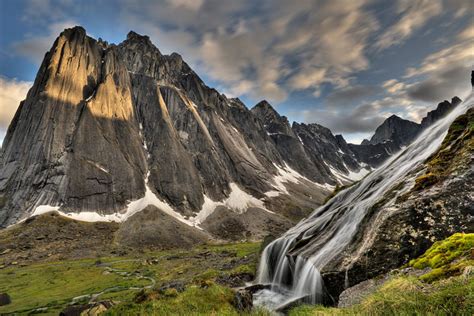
pixel 108 129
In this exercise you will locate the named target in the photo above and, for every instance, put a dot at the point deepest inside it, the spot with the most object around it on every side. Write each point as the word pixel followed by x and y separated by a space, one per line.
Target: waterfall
pixel 291 263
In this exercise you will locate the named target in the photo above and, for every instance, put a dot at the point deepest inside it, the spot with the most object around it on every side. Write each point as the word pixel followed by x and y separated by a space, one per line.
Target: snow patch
pixel 44 209
pixel 90 97
pixel 287 174
pixel 132 208
pixel 238 201
pixel 351 175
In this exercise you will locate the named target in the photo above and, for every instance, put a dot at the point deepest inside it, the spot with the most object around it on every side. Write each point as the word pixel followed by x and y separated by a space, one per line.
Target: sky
pixel 344 64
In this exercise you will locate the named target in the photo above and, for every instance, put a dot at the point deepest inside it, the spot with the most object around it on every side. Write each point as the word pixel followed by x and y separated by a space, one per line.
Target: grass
pixel 195 300
pixel 433 293
pixel 55 284
pixel 407 296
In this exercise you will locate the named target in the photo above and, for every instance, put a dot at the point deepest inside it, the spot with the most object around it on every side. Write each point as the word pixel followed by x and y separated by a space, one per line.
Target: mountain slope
pixel 108 129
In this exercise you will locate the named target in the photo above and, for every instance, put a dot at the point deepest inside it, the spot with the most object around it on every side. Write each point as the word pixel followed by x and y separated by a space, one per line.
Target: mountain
pixel 391 216
pixel 311 149
pixel 397 130
pixel 107 130
pixel 395 133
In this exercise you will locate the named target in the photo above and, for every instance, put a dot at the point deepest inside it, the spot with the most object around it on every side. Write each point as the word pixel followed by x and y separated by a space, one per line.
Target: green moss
pixel 245 268
pixel 446 258
pixel 455 152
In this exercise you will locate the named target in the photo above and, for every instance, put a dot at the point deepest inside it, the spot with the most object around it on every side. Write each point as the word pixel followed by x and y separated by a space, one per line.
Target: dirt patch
pixel 152 228
pixel 54 237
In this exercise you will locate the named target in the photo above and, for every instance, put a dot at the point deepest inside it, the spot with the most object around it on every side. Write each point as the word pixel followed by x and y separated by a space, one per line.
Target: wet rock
pixel 4 299
pixel 243 300
pixel 355 294
pixel 92 309
pixel 235 280
pixel 179 286
pixel 257 287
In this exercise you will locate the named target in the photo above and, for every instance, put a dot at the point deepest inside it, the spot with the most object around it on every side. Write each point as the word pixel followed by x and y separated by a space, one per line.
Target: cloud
pixel 275 47
pixel 34 47
pixel 393 86
pixel 447 71
pixel 447 83
pixel 12 91
pixel 364 118
pixel 413 15
pixel 350 95
pixel 186 4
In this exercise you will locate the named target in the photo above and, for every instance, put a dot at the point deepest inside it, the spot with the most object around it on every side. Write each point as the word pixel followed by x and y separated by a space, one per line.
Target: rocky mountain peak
pixel 273 122
pixel 133 36
pixel 78 31
pixel 441 110
pixel 395 129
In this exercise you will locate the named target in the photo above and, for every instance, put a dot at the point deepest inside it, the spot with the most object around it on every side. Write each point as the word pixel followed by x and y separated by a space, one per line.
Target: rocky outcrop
pixel 322 145
pixel 374 154
pixel 289 146
pixel 441 110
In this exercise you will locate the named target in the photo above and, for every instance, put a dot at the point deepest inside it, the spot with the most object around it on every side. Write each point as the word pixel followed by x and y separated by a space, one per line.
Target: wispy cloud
pixel 412 15
pixel 12 91
pixel 265 49
pixel 34 47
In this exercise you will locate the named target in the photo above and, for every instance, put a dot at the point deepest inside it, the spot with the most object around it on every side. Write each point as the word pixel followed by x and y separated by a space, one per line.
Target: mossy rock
pixel 446 258
pixel 454 153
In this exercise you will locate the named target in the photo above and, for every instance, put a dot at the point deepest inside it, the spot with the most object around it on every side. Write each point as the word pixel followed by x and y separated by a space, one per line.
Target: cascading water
pixel 294 274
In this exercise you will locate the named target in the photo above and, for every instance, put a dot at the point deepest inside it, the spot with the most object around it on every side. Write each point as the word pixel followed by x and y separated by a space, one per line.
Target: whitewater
pixel 296 276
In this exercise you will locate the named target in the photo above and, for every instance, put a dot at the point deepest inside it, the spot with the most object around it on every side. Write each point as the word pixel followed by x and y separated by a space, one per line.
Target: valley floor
pixel 202 281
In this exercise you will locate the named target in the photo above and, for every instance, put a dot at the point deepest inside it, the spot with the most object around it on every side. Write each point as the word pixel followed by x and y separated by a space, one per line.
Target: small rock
pixel 468 272
pixel 93 309
pixel 4 252
pixel 4 299
pixel 243 300
pixel 179 286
